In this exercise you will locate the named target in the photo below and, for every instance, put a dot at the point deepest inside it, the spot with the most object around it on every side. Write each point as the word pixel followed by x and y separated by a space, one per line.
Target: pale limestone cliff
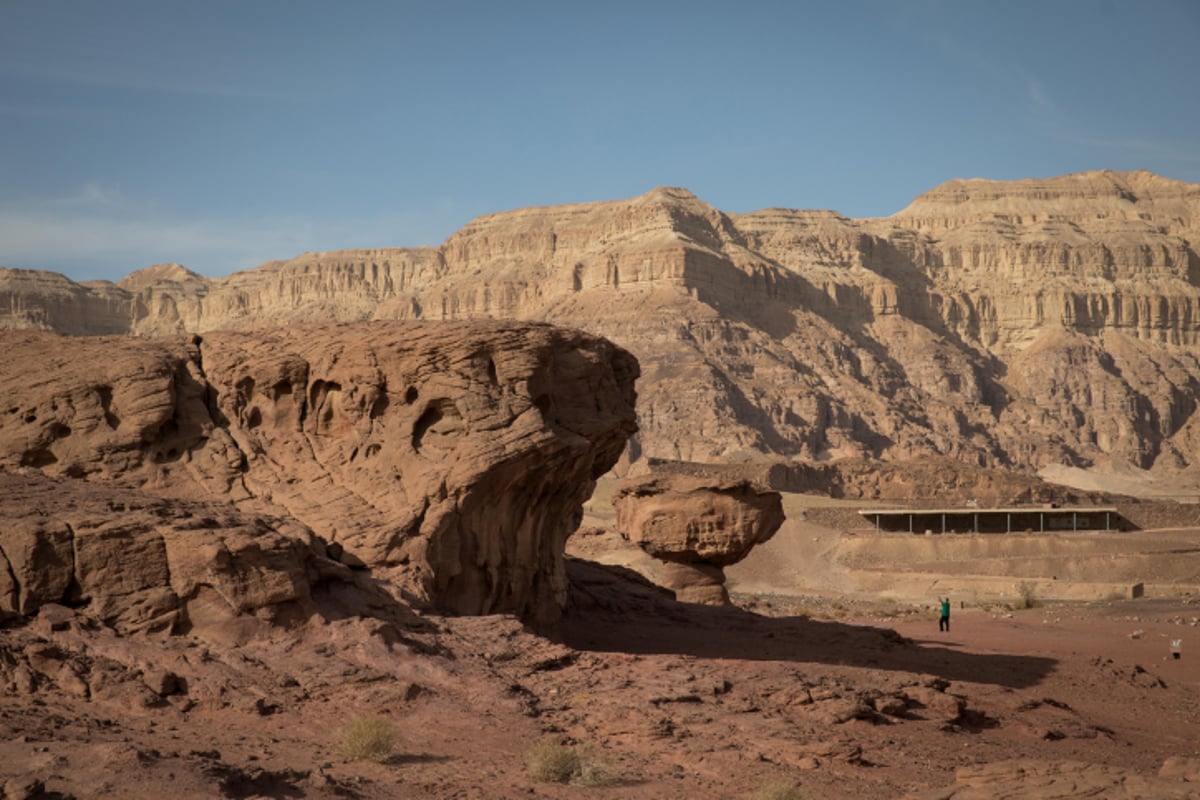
pixel 1022 323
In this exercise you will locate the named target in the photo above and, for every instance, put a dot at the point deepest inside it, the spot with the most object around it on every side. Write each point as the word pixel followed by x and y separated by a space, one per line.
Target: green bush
pixel 552 762
pixel 369 739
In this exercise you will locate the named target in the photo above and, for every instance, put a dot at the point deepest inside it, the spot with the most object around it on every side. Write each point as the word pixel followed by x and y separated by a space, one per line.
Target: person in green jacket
pixel 944 620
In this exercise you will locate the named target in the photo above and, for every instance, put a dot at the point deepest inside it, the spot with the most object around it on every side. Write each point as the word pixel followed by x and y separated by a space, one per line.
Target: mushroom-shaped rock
pixel 451 458
pixel 698 526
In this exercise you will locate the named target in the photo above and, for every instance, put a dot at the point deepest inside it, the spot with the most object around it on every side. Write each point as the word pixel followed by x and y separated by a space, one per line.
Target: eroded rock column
pixel 698 526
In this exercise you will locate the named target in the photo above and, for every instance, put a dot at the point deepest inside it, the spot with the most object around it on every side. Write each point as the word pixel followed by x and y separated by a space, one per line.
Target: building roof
pixel 884 512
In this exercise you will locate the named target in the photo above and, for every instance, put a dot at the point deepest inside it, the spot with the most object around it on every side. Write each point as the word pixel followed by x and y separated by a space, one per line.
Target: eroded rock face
pixel 451 458
pixel 145 564
pixel 1038 780
pixel 698 526
pixel 1023 324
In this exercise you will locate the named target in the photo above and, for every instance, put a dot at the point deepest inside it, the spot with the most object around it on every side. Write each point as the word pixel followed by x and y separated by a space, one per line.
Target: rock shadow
pixel 342 594
pixel 612 609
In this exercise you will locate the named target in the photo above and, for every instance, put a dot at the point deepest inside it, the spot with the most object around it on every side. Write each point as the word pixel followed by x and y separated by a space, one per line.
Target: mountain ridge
pixel 1022 324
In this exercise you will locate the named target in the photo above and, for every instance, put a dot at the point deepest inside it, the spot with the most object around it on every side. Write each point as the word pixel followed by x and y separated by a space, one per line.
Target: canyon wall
pixel 1023 324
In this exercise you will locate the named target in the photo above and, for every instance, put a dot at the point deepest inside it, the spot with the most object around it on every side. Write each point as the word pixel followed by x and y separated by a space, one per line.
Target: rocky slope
pixel 1025 324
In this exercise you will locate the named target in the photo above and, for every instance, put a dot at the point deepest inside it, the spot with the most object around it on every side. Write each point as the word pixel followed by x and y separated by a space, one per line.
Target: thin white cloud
pixel 114 246
pixel 97 232
pixel 38 111
pixel 159 76
pixel 96 195
pixel 1037 94
pixel 1146 148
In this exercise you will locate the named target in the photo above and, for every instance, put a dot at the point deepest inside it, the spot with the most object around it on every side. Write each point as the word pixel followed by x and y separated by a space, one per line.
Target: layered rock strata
pixel 697 526
pixel 1023 324
pixel 144 564
pixel 451 458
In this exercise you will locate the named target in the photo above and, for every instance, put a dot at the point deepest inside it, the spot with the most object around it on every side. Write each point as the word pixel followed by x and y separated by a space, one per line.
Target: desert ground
pixel 797 690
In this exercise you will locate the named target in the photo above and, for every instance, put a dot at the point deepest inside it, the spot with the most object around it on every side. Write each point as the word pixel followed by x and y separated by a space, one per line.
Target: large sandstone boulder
pixel 451 458
pixel 698 526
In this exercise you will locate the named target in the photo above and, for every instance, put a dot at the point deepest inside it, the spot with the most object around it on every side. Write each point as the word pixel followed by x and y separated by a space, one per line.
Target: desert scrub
pixel 553 762
pixel 1026 595
pixel 369 739
pixel 786 790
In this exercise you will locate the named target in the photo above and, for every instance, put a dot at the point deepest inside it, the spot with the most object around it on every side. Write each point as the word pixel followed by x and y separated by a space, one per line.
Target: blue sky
pixel 221 134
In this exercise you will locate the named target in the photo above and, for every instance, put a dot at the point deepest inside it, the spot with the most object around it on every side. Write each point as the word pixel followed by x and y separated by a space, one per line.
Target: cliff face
pixel 1023 323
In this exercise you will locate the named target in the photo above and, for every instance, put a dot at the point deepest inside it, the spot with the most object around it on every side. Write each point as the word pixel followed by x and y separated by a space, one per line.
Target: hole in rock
pixel 441 421
pixel 106 398
pixel 380 406
pixel 41 457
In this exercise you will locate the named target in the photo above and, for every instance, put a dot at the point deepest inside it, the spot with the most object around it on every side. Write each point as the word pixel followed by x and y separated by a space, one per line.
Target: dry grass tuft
pixel 552 762
pixel 785 790
pixel 368 739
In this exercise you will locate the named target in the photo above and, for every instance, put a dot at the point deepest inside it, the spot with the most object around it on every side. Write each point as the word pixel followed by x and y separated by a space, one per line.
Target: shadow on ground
pixel 612 609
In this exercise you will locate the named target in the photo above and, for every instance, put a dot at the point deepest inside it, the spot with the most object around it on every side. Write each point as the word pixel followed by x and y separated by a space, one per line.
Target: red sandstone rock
pixel 142 564
pixel 452 458
pixel 698 526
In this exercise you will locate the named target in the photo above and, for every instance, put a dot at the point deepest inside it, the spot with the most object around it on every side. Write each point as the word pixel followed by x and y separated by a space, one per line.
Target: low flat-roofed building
pixel 1017 519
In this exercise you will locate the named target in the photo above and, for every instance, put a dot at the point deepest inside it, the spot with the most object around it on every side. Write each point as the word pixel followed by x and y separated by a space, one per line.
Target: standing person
pixel 944 620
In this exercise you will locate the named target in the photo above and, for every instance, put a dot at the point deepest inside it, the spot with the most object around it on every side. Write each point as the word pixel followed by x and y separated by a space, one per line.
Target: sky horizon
pixel 225 134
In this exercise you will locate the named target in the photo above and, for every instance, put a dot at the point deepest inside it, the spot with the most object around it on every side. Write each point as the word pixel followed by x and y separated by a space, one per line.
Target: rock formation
pixel 451 458
pixel 1026 324
pixel 1038 779
pixel 698 526
pixel 144 564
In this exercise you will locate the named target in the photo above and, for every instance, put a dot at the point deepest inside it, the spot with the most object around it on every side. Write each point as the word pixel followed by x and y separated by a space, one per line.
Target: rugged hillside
pixel 1028 324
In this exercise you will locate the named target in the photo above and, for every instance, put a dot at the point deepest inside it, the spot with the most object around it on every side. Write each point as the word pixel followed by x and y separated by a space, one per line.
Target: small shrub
pixel 592 770
pixel 1027 597
pixel 552 762
pixel 785 790
pixel 368 738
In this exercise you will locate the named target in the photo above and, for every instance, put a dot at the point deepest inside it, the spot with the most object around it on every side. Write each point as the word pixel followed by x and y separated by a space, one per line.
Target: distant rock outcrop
pixel 698 526
pixel 451 458
pixel 1024 324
